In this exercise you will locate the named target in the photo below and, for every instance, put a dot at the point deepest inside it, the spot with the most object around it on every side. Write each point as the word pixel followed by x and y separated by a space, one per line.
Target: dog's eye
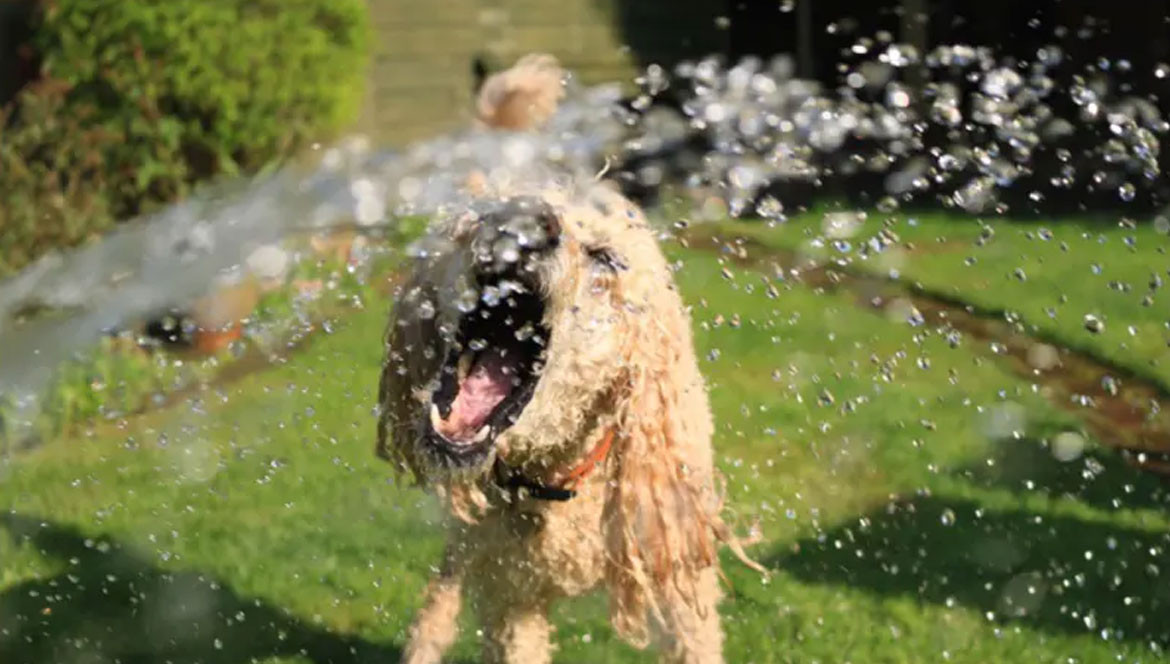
pixel 607 258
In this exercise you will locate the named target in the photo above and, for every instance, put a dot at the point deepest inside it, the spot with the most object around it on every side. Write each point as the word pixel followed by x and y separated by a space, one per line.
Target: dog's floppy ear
pixel 663 512
pixel 411 358
pixel 660 515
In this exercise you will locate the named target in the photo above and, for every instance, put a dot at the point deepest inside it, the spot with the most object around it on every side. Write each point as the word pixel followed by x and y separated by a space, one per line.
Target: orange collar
pixel 564 487
pixel 573 478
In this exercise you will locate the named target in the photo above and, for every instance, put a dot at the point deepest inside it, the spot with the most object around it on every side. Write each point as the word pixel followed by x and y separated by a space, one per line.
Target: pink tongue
pixel 481 391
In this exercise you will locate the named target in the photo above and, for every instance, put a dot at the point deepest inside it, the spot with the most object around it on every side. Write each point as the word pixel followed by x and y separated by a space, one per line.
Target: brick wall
pixel 421 75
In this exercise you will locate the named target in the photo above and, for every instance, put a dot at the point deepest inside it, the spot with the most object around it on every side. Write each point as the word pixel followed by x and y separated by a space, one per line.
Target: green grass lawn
pixel 1051 274
pixel 912 510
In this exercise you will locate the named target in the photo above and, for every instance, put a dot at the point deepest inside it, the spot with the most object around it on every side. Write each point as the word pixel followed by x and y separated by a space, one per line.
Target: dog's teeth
pixel 482 435
pixel 436 418
pixel 464 365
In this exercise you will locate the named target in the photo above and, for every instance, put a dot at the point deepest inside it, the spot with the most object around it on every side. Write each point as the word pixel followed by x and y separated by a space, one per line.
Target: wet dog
pixel 540 376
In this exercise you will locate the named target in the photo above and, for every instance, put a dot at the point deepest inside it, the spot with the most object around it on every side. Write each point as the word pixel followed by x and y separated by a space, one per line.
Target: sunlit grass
pixel 256 523
pixel 118 376
pixel 1052 274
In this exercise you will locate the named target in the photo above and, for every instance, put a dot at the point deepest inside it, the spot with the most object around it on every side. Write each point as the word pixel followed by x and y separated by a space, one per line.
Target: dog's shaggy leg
pixel 692 634
pixel 436 626
pixel 515 634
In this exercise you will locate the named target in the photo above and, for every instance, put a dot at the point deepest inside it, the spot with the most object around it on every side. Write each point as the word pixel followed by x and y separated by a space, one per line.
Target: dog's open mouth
pixel 498 351
pixel 489 375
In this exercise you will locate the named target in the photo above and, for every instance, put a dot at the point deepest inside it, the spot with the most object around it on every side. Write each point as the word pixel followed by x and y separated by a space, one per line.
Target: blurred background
pixel 924 242
pixel 171 95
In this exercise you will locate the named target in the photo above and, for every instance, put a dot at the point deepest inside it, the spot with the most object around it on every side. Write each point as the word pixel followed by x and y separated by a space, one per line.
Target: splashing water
pixel 750 134
pixel 171 257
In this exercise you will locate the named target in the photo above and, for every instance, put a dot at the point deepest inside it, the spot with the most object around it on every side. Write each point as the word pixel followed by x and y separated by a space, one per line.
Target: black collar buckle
pixel 520 485
pixel 538 490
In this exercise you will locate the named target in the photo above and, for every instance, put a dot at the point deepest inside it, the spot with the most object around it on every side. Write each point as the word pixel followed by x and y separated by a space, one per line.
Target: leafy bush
pixel 165 93
pixel 52 176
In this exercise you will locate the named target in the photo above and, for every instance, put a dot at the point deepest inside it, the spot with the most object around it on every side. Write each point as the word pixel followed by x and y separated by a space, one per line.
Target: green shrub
pixel 52 176
pixel 182 90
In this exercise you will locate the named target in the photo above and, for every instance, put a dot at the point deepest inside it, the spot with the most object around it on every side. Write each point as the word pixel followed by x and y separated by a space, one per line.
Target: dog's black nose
pixel 532 221
pixel 514 231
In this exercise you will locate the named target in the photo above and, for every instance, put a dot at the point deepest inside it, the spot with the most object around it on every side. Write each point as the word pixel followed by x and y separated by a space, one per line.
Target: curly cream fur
pixel 523 96
pixel 620 359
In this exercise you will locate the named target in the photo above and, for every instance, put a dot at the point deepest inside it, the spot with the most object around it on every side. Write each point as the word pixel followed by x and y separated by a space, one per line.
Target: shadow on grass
pixel 1052 572
pixel 1099 479
pixel 111 605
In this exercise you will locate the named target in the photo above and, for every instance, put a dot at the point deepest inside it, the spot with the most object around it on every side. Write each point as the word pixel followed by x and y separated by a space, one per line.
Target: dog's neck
pixel 564 485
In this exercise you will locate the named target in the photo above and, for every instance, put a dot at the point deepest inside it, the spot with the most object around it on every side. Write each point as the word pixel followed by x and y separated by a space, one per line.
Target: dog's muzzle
pixel 497 354
pixel 511 235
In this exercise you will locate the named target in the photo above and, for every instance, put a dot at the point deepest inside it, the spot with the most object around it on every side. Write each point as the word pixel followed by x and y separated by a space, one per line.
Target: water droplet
pixel 1094 324
pixel 1110 385
pixel 1068 446
pixel 1127 192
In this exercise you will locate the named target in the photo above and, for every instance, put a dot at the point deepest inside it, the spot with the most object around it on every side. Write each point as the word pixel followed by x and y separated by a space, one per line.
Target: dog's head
pixel 520 332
